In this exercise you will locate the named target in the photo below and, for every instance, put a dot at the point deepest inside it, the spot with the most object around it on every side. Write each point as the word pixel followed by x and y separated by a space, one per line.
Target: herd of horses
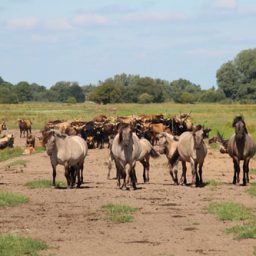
pixel 130 144
pixel 127 148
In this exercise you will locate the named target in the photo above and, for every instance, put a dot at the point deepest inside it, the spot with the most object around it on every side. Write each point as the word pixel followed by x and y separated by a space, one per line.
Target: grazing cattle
pixel 155 129
pixel 181 123
pixel 168 145
pixel 191 148
pixel 25 127
pixel 240 147
pixel 3 126
pixel 7 141
pixel 98 135
pixel 126 150
pixel 69 151
pixel 100 119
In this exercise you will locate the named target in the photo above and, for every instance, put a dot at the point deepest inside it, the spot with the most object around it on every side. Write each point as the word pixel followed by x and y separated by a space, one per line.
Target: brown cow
pixel 155 129
pixel 100 118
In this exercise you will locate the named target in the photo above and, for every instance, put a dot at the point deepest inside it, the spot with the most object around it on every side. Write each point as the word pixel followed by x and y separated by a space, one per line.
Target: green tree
pixel 24 91
pixel 106 93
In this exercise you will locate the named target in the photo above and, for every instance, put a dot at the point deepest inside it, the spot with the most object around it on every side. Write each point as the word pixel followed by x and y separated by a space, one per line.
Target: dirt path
pixel 171 220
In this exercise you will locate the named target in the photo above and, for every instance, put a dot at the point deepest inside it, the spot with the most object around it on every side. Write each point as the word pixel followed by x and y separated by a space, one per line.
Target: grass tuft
pixel 213 183
pixel 12 199
pixel 43 184
pixel 16 245
pixel 8 153
pixel 119 213
pixel 230 211
pixel 20 162
pixel 243 231
pixel 252 189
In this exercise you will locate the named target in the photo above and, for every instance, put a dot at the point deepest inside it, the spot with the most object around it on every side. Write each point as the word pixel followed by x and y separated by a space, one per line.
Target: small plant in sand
pixel 11 199
pixel 43 184
pixel 213 183
pixel 16 245
pixel 119 213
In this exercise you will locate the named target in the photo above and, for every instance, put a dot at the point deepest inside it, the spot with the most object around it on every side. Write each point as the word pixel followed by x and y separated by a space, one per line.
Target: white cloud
pixel 89 19
pixel 225 4
pixel 22 23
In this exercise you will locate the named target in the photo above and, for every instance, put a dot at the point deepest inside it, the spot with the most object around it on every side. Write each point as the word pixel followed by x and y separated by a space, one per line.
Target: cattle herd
pixel 132 139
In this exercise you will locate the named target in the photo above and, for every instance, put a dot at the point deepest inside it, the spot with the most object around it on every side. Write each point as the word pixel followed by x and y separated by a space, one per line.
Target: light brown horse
pixel 126 150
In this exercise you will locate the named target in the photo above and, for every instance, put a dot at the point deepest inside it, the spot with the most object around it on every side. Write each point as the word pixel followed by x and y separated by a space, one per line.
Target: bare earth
pixel 172 220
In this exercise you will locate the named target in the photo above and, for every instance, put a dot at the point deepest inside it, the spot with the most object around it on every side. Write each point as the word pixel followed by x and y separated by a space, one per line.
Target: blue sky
pixel 87 40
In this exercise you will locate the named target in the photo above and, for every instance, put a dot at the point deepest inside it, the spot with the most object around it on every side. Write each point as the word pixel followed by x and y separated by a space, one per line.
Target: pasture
pixel 159 219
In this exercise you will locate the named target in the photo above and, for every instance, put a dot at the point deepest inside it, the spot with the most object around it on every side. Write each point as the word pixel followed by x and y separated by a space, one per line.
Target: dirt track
pixel 171 220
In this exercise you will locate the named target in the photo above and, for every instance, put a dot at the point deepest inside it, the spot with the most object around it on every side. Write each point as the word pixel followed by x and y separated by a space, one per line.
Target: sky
pixel 87 41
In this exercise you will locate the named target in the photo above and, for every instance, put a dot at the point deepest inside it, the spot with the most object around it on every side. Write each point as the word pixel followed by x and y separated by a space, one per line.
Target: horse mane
pixel 239 118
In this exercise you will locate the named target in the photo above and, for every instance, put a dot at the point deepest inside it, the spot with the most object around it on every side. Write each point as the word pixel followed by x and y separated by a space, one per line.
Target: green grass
pixel 252 189
pixel 8 153
pixel 11 199
pixel 253 171
pixel 119 213
pixel 230 211
pixel 39 149
pixel 43 184
pixel 213 183
pixel 243 231
pixel 16 245
pixel 19 162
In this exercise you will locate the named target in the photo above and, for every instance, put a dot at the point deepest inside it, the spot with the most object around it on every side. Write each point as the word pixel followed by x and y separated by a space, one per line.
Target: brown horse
pixel 241 147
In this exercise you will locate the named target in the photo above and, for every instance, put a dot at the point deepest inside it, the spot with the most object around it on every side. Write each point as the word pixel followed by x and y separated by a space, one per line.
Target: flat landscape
pixel 169 220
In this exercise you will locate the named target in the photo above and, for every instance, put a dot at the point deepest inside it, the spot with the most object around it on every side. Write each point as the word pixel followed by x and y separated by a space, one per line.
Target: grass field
pixel 215 116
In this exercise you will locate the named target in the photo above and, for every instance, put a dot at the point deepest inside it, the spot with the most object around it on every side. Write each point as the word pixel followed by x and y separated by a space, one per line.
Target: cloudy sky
pixel 88 40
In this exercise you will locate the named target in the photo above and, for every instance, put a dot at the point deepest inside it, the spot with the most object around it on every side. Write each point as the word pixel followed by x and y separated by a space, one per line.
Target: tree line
pixel 236 81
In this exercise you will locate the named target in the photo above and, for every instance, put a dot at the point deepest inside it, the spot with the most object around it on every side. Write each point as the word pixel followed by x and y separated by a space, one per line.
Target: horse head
pixel 198 135
pixel 125 134
pixel 240 127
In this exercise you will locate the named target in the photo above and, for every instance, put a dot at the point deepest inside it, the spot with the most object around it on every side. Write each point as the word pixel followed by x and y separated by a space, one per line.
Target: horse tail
pixel 153 153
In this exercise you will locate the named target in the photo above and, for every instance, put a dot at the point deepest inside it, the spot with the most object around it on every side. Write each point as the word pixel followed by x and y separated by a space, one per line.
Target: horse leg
pixel 246 171
pixel 193 169
pixel 200 174
pixel 67 175
pixel 183 178
pixel 197 177
pixel 53 175
pixel 147 168
pixel 236 171
pixel 133 177
pixel 171 173
pixel 144 164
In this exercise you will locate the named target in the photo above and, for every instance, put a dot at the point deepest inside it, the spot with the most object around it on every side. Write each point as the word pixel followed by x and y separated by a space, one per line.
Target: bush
pixel 71 100
pixel 145 98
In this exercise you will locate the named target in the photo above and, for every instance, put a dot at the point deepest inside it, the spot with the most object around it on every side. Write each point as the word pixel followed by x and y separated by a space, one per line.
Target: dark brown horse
pixel 241 147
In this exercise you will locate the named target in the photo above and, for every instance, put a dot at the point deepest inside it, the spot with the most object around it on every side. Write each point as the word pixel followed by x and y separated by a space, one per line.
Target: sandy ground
pixel 172 220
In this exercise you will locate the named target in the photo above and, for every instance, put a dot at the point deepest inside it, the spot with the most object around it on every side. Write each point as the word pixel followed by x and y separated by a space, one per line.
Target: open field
pixel 215 116
pixel 160 219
